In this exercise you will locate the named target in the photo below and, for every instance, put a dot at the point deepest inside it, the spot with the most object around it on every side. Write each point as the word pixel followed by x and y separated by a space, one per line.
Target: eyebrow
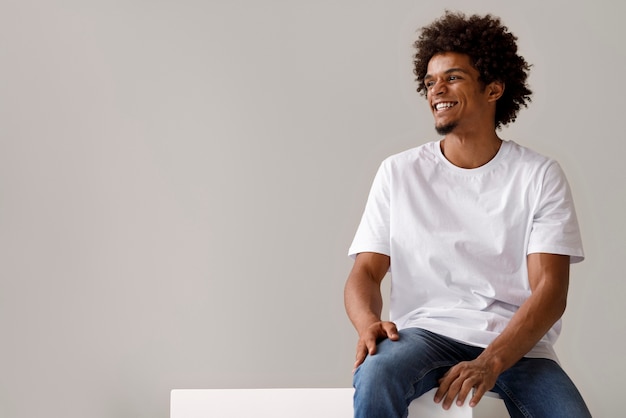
pixel 448 71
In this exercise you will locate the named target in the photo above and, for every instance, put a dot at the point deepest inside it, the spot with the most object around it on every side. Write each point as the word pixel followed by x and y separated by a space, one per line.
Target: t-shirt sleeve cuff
pixel 380 249
pixel 575 255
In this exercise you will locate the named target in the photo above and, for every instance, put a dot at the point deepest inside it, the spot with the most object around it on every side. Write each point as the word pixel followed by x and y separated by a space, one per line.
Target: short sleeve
pixel 372 235
pixel 555 227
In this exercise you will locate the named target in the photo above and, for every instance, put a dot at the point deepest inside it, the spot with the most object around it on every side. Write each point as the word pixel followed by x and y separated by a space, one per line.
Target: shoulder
pixel 421 154
pixel 528 159
pixel 540 172
pixel 524 153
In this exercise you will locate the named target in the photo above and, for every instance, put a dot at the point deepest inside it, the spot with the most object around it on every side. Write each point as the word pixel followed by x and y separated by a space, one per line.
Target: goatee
pixel 445 129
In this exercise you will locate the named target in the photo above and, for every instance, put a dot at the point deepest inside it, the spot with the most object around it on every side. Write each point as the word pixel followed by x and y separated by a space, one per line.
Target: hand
pixel 371 336
pixel 459 381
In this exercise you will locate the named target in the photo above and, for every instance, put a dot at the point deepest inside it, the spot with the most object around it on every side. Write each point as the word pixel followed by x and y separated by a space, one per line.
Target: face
pixel 458 100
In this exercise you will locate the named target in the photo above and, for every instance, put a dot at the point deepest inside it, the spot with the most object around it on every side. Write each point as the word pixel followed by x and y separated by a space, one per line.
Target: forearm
pixel 549 279
pixel 529 324
pixel 548 276
pixel 363 301
pixel 362 295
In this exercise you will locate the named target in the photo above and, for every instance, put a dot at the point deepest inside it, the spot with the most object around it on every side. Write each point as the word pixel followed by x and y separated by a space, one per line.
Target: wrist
pixel 366 323
pixel 493 361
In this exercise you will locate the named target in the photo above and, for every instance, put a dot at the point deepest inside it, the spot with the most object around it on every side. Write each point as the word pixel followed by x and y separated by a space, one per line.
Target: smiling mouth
pixel 443 105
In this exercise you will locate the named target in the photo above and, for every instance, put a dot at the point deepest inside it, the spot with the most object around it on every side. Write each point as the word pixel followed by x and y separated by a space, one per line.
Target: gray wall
pixel 180 181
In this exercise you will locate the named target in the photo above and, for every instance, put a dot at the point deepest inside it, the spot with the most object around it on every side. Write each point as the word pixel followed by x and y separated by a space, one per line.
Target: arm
pixel 364 303
pixel 548 275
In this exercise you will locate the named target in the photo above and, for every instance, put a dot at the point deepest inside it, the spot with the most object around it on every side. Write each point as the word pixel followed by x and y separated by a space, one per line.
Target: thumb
pixel 392 331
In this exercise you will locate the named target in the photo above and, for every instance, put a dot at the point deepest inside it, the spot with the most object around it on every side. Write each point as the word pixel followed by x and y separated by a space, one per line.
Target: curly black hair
pixel 492 50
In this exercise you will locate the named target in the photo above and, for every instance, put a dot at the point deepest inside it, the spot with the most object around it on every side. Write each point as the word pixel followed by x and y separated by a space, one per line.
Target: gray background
pixel 180 181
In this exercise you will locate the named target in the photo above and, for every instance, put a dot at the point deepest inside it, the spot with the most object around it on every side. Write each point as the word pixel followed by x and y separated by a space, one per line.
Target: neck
pixel 470 152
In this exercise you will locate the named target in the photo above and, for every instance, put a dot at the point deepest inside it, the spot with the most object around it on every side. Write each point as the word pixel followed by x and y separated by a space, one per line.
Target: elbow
pixel 562 306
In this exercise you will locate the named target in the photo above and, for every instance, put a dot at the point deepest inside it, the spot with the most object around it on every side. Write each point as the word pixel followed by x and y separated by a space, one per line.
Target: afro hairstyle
pixel 492 49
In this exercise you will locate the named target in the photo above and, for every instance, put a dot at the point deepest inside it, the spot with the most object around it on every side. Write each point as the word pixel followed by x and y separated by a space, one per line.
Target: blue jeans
pixel 400 371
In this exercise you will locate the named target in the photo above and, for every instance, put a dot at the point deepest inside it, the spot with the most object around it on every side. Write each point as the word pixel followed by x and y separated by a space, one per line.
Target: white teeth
pixel 445 105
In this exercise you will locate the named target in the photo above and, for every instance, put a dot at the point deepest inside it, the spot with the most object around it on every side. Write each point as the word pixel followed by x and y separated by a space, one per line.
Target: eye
pixel 453 78
pixel 428 84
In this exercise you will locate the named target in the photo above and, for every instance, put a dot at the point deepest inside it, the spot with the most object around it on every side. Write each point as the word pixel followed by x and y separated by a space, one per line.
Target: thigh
pixel 414 363
pixel 540 388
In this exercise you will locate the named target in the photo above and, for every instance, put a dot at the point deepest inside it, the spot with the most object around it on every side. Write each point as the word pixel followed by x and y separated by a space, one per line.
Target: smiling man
pixel 478 234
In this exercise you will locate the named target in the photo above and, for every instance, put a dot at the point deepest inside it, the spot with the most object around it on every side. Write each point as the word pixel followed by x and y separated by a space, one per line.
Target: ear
pixel 495 90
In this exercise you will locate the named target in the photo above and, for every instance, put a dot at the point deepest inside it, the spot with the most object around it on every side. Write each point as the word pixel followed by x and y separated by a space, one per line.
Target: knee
pixel 378 390
pixel 375 370
pixel 392 361
pixel 380 372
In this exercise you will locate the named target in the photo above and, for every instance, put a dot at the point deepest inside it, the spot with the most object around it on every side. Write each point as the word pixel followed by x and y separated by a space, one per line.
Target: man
pixel 478 235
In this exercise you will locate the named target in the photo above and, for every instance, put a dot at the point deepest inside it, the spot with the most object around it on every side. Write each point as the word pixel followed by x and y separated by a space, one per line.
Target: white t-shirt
pixel 458 238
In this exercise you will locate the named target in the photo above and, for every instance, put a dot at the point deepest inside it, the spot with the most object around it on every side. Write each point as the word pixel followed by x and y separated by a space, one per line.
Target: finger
pixel 361 349
pixel 371 346
pixel 444 384
pixel 393 335
pixel 452 392
pixel 361 353
pixel 360 358
pixel 449 399
pixel 466 389
pixel 439 394
pixel 478 395
pixel 391 331
pixel 365 346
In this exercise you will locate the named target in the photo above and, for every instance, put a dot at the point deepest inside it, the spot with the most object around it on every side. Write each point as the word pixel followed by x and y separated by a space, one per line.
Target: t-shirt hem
pixel 542 349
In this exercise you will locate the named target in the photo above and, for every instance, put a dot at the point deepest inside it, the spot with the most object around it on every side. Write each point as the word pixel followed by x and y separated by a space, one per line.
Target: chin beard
pixel 445 129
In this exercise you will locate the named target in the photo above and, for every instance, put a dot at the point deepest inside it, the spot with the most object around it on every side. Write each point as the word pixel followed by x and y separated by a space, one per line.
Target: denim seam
pixel 514 400
pixel 411 393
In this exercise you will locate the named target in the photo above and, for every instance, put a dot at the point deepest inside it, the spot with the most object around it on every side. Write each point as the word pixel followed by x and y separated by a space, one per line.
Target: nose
pixel 437 88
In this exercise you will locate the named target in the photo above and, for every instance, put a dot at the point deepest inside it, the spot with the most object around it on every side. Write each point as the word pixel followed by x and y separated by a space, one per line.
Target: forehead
pixel 446 61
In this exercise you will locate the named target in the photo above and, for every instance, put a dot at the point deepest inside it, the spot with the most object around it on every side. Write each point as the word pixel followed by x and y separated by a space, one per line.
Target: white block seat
pixel 262 403
pixel 308 403
pixel 490 406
